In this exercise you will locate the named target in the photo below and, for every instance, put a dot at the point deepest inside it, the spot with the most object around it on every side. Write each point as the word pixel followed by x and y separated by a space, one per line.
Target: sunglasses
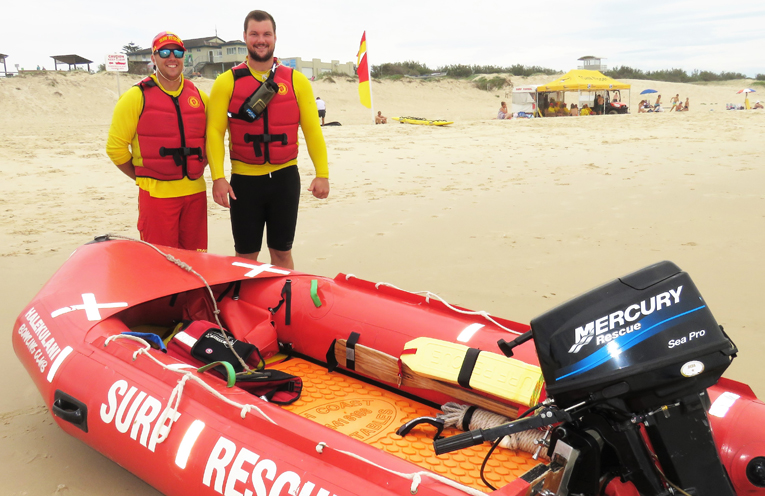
pixel 165 52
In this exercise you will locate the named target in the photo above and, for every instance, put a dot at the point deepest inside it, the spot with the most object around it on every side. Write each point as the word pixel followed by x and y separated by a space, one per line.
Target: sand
pixel 511 217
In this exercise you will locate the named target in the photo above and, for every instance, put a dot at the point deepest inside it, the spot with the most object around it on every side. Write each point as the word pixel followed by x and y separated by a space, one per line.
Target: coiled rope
pixel 454 413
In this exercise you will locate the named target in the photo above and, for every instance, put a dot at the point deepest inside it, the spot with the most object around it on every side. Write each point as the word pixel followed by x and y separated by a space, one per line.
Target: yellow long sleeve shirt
pixel 122 144
pixel 217 125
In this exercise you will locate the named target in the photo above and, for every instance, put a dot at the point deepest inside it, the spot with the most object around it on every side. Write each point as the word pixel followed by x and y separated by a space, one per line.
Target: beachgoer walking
pixel 157 138
pixel 322 108
pixel 265 185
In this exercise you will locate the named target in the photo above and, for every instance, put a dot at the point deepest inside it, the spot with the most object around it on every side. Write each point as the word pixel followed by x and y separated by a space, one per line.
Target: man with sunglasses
pixel 265 185
pixel 157 138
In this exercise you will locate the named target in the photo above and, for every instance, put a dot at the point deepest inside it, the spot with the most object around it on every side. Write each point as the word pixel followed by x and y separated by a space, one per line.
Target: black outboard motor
pixel 640 350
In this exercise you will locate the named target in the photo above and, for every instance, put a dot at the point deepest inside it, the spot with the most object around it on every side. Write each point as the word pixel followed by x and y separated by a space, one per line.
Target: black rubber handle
pixel 435 422
pixel 458 442
pixel 63 410
pixel 70 409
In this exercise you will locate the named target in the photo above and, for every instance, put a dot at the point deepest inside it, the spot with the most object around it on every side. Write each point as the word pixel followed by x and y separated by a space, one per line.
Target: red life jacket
pixel 273 137
pixel 171 133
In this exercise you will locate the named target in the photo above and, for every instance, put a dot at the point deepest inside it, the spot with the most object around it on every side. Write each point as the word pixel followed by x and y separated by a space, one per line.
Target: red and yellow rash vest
pixel 273 138
pixel 171 133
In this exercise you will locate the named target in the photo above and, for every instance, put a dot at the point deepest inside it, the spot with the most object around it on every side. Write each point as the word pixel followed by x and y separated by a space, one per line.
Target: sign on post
pixel 116 62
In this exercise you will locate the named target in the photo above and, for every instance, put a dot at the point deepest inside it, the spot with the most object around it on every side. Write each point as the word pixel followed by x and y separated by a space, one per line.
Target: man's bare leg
pixel 282 258
pixel 251 256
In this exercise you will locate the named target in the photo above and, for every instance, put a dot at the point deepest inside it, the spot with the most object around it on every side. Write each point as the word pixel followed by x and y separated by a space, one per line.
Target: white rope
pixel 483 419
pixel 188 268
pixel 415 477
pixel 429 294
pixel 175 397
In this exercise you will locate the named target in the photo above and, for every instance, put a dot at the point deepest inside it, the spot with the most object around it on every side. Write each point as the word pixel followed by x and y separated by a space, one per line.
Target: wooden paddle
pixel 383 367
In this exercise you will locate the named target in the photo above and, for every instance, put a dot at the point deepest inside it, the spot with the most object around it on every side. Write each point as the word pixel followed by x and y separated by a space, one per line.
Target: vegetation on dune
pixel 417 69
pixel 674 75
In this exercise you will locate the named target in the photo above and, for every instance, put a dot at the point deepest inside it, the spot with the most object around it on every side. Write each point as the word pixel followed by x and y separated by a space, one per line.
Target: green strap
pixel 315 293
pixel 230 374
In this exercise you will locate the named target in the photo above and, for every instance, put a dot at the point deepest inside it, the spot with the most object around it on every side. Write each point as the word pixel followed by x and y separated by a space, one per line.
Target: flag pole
pixel 369 77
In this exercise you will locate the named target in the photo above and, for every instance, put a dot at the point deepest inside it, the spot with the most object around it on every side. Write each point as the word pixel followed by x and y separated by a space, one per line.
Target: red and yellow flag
pixel 365 95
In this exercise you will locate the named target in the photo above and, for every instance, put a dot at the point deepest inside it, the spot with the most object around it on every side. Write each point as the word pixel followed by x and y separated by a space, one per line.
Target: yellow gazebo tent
pixel 582 80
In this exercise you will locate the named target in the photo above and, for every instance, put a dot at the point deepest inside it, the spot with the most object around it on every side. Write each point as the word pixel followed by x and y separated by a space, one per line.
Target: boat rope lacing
pixel 171 409
pixel 454 413
pixel 189 268
pixel 415 477
pixel 429 295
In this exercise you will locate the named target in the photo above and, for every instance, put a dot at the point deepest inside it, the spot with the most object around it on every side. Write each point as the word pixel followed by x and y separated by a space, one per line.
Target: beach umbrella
pixel 648 91
pixel 746 90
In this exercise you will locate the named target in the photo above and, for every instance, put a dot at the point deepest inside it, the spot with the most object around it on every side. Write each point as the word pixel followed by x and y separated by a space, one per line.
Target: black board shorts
pixel 269 201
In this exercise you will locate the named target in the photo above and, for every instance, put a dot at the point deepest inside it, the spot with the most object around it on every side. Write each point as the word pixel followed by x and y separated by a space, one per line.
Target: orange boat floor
pixel 372 415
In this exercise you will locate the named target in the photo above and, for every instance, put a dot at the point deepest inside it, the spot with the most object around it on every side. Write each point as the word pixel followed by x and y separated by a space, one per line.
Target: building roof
pixel 2 55
pixel 71 59
pixel 209 41
pixel 590 57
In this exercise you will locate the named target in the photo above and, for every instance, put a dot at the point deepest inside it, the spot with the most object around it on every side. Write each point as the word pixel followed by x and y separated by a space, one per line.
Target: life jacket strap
pixel 257 139
pixel 179 153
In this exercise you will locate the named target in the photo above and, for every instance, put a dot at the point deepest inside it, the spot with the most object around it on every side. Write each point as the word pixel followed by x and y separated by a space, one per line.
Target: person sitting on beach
pixel 562 110
pixel 642 106
pixel 657 104
pixel 687 105
pixel 380 119
pixel 586 110
pixel 503 112
pixel 552 110
pixel 757 105
pixel 574 110
pixel 678 107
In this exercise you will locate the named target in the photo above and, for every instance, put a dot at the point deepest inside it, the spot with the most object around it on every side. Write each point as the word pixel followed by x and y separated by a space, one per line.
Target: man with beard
pixel 157 138
pixel 265 185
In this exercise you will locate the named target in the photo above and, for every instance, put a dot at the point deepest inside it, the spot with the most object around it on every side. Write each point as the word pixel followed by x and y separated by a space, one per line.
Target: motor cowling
pixel 646 338
pixel 639 353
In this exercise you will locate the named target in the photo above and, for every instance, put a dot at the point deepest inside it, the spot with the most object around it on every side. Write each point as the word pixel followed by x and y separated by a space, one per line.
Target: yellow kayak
pixel 422 121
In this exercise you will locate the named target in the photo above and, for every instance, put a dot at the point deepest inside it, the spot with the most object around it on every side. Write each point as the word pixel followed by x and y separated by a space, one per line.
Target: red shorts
pixel 178 222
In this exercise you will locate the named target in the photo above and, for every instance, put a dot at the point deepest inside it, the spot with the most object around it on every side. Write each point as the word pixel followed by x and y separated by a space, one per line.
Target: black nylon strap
pixel 330 357
pixel 468 417
pixel 257 139
pixel 350 350
pixel 463 379
pixel 286 298
pixel 236 285
pixel 241 72
pixel 179 153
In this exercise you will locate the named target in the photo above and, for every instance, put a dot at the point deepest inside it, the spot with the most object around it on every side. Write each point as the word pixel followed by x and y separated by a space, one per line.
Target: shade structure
pixel 644 92
pixel 70 60
pixel 583 80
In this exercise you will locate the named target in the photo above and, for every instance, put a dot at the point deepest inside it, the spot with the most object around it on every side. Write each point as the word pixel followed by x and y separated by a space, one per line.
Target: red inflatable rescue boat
pixel 207 375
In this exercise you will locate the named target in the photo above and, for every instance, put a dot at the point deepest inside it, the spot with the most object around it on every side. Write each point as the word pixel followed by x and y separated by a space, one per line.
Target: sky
pixel 647 35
